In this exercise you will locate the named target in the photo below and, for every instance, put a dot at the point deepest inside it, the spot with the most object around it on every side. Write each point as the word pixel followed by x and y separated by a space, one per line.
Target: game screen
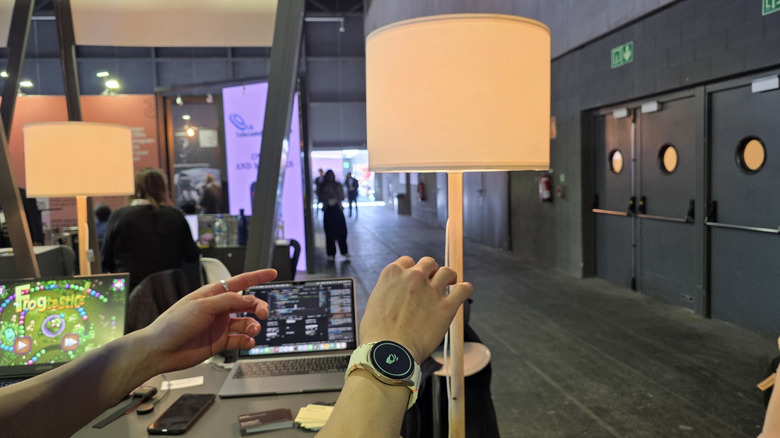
pixel 54 321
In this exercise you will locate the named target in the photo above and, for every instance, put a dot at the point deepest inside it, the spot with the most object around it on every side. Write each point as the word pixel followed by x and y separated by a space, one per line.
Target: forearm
pixel 367 407
pixel 80 390
pixel 771 427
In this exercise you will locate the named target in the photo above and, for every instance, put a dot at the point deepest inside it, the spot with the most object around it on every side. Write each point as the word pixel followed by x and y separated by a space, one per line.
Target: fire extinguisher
pixel 545 187
pixel 421 191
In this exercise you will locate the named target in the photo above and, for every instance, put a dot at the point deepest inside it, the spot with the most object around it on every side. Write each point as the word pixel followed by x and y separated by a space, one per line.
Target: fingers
pixel 428 266
pixel 239 342
pixel 231 302
pixel 459 293
pixel 235 284
pixel 405 262
pixel 444 277
pixel 246 326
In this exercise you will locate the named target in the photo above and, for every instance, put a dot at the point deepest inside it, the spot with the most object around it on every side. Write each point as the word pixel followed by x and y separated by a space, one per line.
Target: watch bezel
pixel 378 367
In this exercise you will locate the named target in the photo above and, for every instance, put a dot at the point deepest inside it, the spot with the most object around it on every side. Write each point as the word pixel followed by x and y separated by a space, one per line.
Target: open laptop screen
pixel 306 316
pixel 47 322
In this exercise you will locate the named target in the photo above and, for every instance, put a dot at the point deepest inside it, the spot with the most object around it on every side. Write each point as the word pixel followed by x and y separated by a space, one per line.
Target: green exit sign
pixel 770 6
pixel 624 54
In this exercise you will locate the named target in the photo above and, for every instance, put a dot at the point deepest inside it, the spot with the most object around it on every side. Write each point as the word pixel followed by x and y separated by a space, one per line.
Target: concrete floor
pixel 579 357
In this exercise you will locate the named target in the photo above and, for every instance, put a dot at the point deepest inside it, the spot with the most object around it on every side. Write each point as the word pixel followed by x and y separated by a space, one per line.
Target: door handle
pixel 712 221
pixel 610 212
pixel 632 205
pixel 688 219
pixel 743 227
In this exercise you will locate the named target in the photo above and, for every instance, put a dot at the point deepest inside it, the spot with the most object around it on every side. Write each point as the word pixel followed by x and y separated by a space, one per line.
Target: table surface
pixel 220 420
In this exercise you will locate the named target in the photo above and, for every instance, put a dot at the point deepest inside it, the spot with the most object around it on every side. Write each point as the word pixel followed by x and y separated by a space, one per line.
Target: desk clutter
pixel 311 417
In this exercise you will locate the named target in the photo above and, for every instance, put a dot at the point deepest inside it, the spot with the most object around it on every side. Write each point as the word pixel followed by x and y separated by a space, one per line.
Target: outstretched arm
pixel 407 306
pixel 195 328
pixel 771 427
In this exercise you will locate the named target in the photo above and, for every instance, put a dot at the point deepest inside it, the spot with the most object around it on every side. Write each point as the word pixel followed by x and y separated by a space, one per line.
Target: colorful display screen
pixel 244 109
pixel 47 322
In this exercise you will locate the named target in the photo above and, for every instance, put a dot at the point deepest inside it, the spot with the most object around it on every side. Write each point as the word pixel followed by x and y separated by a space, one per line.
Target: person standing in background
pixel 211 196
pixel 149 235
pixel 331 194
pixel 102 213
pixel 352 192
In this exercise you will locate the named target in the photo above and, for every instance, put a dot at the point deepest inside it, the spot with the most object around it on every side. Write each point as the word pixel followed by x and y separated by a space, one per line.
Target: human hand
pixel 200 325
pixel 408 306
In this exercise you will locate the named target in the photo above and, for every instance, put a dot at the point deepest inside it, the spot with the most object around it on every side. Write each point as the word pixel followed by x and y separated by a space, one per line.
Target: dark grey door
pixel 744 215
pixel 485 208
pixel 613 145
pixel 666 192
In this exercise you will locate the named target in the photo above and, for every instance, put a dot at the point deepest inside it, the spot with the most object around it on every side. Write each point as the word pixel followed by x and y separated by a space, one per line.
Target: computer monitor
pixel 47 322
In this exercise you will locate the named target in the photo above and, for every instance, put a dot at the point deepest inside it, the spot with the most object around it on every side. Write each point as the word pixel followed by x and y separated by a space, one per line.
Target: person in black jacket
pixel 331 193
pixel 149 235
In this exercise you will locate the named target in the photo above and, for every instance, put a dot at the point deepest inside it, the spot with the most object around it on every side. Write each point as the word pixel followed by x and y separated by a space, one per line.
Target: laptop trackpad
pixel 291 384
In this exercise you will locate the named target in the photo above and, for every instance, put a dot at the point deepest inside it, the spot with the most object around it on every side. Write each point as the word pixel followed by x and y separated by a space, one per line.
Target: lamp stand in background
pixel 458 93
pixel 80 159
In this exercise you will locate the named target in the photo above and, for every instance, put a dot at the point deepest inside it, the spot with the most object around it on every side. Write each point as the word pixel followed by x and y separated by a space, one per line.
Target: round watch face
pixel 392 360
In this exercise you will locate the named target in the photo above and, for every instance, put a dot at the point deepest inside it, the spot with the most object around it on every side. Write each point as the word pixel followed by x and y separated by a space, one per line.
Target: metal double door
pixel 645 206
pixel 743 214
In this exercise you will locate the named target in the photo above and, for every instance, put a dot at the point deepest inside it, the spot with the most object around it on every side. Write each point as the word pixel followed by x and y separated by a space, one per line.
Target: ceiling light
pixel 26 83
pixel 179 101
pixel 3 74
pixel 186 117
pixel 102 74
pixel 112 84
pixel 209 98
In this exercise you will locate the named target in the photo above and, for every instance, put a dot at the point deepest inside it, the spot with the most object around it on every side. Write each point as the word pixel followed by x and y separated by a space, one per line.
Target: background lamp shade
pixel 463 92
pixel 78 159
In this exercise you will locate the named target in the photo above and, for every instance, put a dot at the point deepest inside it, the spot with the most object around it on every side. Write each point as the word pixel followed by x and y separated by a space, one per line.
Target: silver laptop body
pixel 307 320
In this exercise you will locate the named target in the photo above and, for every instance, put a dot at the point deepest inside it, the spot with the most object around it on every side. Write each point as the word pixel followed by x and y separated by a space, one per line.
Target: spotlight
pixel 3 74
pixel 112 84
pixel 189 130
pixel 186 117
pixel 102 74
pixel 179 101
pixel 209 98
pixel 26 83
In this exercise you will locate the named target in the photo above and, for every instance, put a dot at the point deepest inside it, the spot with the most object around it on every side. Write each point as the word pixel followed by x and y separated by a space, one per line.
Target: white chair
pixel 214 270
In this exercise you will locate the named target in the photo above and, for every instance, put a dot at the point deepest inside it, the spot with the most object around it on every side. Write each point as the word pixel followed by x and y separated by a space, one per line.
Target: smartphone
pixel 181 415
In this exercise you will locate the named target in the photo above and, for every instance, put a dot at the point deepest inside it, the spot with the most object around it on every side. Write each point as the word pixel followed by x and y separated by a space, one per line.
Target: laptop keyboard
pixel 307 365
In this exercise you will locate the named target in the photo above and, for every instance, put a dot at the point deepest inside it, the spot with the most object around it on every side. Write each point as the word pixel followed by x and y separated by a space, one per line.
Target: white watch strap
pixel 360 360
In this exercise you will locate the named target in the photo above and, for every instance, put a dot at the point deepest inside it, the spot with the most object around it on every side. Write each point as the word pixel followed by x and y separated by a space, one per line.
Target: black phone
pixel 181 415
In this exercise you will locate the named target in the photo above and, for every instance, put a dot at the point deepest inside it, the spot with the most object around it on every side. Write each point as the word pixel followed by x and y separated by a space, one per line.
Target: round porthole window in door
pixel 615 161
pixel 667 159
pixel 751 154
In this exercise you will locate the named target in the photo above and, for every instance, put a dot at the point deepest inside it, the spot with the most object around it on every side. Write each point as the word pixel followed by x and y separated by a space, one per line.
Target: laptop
pixel 304 345
pixel 47 322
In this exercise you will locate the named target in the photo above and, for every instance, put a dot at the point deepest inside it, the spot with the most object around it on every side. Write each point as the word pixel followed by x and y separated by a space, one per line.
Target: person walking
pixel 331 194
pixel 352 191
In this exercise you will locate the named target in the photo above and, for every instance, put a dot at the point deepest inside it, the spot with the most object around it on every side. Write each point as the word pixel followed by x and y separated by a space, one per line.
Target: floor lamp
pixel 78 159
pixel 458 93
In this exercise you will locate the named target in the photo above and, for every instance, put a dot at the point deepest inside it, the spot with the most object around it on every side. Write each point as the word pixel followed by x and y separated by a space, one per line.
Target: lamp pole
pixel 457 401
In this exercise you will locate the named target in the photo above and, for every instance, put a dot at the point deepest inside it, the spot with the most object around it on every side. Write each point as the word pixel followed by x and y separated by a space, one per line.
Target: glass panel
pixel 615 161
pixel 668 158
pixel 752 155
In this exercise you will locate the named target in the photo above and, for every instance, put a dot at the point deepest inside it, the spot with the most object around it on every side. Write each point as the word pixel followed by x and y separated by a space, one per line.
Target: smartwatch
pixel 388 362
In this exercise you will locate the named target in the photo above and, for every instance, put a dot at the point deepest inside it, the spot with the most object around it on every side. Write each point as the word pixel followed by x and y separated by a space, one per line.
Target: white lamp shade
pixel 78 159
pixel 462 92
pixel 174 23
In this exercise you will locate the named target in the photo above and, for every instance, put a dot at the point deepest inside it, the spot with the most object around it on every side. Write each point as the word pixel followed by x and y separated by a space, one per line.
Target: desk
pixel 219 421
